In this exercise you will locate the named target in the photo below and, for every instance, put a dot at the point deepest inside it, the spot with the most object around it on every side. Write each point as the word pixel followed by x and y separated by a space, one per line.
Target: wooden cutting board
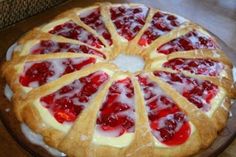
pixel 10 35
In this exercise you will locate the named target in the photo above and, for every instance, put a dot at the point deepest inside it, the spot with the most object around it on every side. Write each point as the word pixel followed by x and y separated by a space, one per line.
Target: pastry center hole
pixel 129 62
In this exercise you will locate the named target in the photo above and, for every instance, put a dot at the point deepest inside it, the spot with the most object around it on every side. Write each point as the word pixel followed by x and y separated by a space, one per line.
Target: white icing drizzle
pixel 207 68
pixel 123 99
pixel 234 78
pixel 234 73
pixel 128 18
pixel 57 66
pixel 87 12
pixel 215 54
pixel 38 140
pixel 167 22
pixel 8 92
pixel 163 21
pixel 76 87
pixel 194 40
pixel 97 24
pixel 129 63
pixel 80 33
pixel 155 93
pixel 10 51
pixel 187 84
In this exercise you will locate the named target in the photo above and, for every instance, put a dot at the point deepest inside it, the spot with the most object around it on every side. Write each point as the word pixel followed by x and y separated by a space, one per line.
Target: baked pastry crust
pixel 77 139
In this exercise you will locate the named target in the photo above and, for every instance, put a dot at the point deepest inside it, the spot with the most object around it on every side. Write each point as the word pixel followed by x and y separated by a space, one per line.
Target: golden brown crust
pixel 77 141
pixel 221 114
pixel 146 145
pixel 32 118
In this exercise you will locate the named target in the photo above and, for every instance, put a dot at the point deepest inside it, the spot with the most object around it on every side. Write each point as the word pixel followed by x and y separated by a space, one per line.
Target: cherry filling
pixel 49 46
pixel 197 66
pixel 93 19
pixel 69 101
pixel 73 31
pixel 116 115
pixel 199 92
pixel 190 41
pixel 168 123
pixel 128 21
pixel 36 74
pixel 161 23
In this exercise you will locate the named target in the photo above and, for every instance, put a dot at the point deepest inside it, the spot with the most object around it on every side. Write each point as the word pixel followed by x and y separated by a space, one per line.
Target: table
pixel 219 16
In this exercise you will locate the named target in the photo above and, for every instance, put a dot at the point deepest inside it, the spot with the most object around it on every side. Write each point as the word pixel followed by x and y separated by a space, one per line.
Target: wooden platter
pixel 13 126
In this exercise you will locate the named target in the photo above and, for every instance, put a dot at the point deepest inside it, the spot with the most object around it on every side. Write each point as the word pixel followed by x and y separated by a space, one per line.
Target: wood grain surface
pixel 218 16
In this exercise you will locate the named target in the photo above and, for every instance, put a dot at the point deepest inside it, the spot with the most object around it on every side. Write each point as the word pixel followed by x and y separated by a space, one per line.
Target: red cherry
pixel 185 43
pixel 200 93
pixel 67 103
pixel 74 31
pixel 164 115
pixel 114 113
pixel 48 46
pixel 207 66
pixel 128 21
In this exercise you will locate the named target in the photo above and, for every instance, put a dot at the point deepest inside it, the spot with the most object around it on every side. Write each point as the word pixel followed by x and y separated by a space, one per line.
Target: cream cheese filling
pixel 49 119
pixel 121 141
pixel 159 144
pixel 127 138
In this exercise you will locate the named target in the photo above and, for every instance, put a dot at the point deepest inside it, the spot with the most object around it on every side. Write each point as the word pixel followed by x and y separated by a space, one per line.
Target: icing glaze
pixel 129 63
pixel 10 51
pixel 93 19
pixel 128 20
pixel 73 31
pixel 38 73
pixel 8 92
pixel 69 101
pixel 116 115
pixel 161 24
pixel 197 66
pixel 189 41
pixel 49 46
pixel 199 92
pixel 234 73
pixel 168 123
